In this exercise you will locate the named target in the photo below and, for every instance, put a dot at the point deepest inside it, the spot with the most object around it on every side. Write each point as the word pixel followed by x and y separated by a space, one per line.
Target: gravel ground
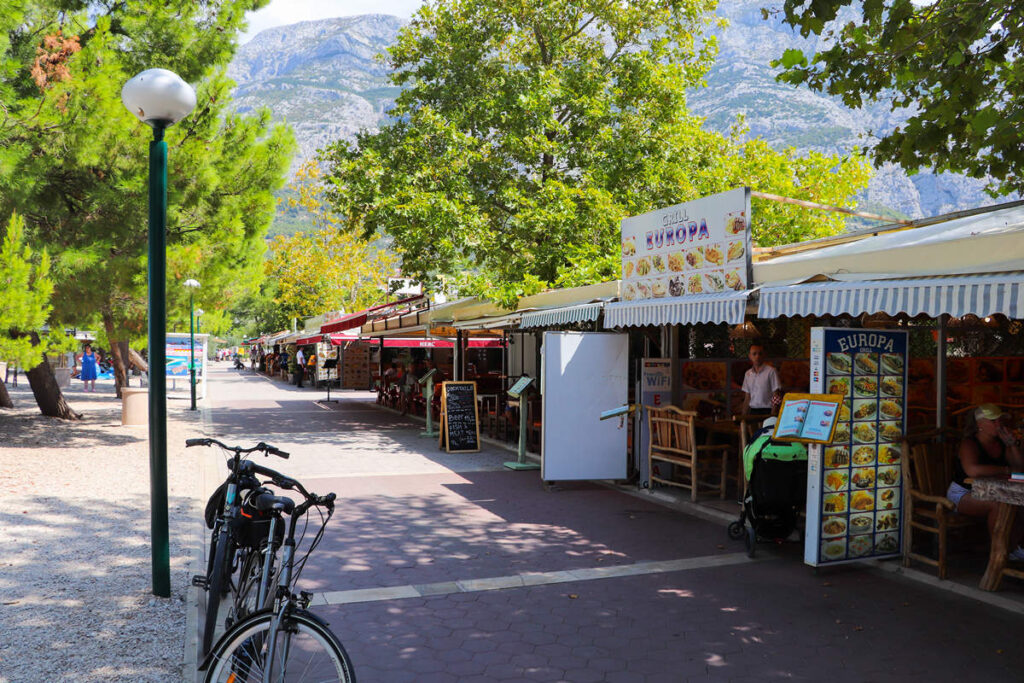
pixel 75 572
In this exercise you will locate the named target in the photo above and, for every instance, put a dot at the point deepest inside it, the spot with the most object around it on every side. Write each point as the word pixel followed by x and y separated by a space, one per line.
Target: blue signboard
pixel 854 484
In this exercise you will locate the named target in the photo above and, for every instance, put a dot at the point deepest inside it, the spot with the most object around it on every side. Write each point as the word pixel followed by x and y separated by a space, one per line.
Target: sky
pixel 283 12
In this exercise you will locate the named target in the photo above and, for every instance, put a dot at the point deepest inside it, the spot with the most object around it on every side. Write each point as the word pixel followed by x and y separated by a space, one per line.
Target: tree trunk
pixel 5 397
pixel 46 390
pixel 120 370
pixel 138 361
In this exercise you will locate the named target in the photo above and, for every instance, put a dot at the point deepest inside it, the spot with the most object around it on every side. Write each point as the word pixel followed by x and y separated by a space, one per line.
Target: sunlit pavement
pixel 442 567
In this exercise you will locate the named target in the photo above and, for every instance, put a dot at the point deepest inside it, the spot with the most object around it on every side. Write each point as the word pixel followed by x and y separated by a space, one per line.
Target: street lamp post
pixel 159 98
pixel 199 316
pixel 192 285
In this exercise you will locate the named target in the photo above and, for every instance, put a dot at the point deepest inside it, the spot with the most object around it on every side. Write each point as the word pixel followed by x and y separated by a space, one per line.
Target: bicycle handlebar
pixel 264 447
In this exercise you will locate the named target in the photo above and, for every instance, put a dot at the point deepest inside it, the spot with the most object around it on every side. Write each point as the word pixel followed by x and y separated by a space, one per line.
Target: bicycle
pixel 222 515
pixel 285 642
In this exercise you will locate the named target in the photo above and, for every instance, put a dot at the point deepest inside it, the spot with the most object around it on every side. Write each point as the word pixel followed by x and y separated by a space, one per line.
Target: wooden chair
pixel 489 415
pixel 674 440
pixel 927 460
pixel 749 425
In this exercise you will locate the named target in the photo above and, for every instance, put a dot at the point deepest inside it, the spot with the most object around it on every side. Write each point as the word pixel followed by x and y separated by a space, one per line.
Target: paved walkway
pixel 442 567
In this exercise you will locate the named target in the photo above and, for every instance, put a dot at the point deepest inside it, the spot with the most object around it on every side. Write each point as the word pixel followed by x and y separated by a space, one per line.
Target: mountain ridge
pixel 323 78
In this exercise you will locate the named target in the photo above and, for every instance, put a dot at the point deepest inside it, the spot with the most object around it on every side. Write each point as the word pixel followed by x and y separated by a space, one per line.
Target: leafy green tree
pixel 25 289
pixel 258 313
pixel 526 131
pixel 326 268
pixel 955 66
pixel 77 164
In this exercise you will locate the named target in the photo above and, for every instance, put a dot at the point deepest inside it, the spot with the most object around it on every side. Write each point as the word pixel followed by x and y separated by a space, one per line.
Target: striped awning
pixel 981 295
pixel 724 307
pixel 563 315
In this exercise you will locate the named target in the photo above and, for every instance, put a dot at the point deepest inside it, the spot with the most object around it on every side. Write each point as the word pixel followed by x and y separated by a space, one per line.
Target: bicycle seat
pixel 269 502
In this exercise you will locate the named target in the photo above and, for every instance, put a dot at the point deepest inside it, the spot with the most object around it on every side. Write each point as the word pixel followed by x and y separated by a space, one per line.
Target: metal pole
pixel 192 345
pixel 429 396
pixel 940 373
pixel 158 361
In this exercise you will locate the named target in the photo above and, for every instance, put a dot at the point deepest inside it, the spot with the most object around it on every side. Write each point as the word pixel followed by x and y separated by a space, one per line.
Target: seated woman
pixel 988 449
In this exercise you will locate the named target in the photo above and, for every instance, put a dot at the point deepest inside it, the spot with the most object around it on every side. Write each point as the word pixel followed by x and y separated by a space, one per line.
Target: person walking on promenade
pixel 88 362
pixel 300 366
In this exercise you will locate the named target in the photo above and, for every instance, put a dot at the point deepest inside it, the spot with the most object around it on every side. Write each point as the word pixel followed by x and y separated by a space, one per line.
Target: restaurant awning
pixel 413 343
pixel 723 307
pixel 347 323
pixel 562 315
pixel 335 339
pixel 988 240
pixel 496 322
pixel 981 295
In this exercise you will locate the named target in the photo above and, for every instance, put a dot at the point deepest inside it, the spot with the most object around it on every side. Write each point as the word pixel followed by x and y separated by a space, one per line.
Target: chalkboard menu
pixel 460 429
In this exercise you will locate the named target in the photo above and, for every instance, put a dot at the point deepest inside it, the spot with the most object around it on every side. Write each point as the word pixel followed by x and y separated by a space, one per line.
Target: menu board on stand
pixel 698 247
pixel 854 485
pixel 325 351
pixel 460 428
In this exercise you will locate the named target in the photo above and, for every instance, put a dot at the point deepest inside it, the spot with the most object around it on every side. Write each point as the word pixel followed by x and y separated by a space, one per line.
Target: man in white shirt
pixel 759 383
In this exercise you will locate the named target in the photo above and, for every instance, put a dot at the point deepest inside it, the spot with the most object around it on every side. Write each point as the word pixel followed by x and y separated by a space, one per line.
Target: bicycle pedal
pixel 201 581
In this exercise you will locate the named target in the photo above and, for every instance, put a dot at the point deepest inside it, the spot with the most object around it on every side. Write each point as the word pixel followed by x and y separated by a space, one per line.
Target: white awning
pixel 724 307
pixel 989 242
pixel 489 322
pixel 562 315
pixel 957 296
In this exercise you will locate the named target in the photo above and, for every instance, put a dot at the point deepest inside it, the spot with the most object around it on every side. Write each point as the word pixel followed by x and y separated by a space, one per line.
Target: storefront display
pixel 355 365
pixel 854 485
pixel 325 350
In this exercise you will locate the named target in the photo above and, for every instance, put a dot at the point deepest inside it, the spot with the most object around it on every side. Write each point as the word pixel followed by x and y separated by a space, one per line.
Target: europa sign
pixel 698 247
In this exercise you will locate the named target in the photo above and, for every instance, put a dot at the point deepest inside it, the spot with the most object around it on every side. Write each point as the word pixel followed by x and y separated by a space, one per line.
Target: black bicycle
pixel 283 642
pixel 231 531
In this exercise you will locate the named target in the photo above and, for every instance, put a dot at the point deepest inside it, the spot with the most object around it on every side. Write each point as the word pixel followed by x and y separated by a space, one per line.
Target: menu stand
pixel 427 381
pixel 329 364
pixel 518 391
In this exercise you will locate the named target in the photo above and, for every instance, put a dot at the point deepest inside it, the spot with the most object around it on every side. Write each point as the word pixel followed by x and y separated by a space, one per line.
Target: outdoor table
pixel 1008 494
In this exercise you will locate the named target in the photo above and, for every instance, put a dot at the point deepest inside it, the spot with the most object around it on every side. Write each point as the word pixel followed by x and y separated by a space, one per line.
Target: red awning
pixel 346 323
pixel 336 339
pixel 438 343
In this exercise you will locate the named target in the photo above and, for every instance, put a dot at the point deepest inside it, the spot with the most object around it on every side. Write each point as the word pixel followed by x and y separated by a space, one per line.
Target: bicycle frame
pixel 285 599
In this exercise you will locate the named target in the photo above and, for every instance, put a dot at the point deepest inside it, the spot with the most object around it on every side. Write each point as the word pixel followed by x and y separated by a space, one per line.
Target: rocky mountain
pixel 322 77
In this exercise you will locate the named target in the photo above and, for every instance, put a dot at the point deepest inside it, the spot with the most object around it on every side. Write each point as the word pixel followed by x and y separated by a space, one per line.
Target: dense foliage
pixel 74 162
pixel 326 268
pixel 955 66
pixel 25 289
pixel 526 130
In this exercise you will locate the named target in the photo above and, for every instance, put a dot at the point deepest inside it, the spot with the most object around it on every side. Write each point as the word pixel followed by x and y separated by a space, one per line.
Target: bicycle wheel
pixel 305 650
pixel 218 581
pixel 247 596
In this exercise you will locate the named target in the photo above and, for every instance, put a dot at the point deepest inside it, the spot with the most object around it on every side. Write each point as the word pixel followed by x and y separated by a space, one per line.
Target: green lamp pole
pixel 199 316
pixel 192 285
pixel 159 98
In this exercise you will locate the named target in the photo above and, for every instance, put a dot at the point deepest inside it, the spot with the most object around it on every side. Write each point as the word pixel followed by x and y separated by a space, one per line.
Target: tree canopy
pixel 954 66
pixel 526 131
pixel 25 288
pixel 73 161
pixel 328 268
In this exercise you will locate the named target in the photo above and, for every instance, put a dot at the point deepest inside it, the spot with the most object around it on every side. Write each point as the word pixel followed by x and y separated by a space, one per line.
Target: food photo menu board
pixel 698 247
pixel 854 484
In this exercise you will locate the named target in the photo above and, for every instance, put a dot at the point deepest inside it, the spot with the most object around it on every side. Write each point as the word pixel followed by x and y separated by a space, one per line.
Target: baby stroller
pixel 776 491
